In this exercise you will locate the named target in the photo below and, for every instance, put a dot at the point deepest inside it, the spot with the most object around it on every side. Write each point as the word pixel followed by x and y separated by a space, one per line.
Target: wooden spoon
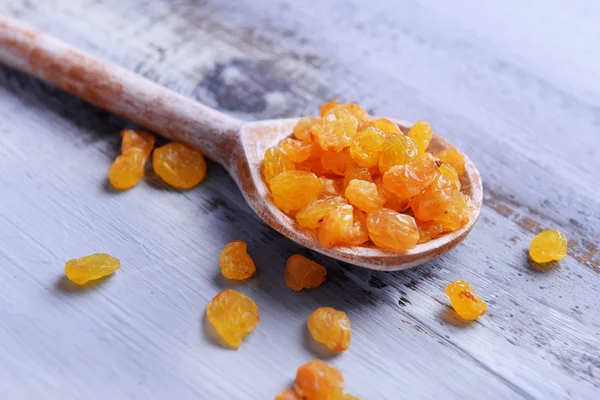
pixel 238 146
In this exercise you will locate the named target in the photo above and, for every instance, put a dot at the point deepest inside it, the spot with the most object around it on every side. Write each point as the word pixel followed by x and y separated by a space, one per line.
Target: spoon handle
pixel 117 90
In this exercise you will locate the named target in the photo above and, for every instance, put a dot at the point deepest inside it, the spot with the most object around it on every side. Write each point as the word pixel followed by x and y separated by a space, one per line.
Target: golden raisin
pixel 317 380
pixel 313 165
pixel 397 150
pixel 140 139
pixel 89 268
pixel 392 201
pixel 391 230
pixel 340 227
pixel 421 134
pixel 234 261
pixel 331 328
pixel 298 151
pixel 311 215
pixel 366 146
pixel 294 190
pixel 336 129
pixel 364 195
pixel 467 304
pixel 326 107
pixel 362 174
pixel 550 245
pixel 302 273
pixel 331 187
pixel 429 230
pixel 338 163
pixel 288 394
pixel 412 178
pixel 127 169
pixel 275 162
pixel 302 130
pixel 454 158
pixel 450 174
pixel 233 315
pixel 390 128
pixel 448 206
pixel 179 165
pixel 357 111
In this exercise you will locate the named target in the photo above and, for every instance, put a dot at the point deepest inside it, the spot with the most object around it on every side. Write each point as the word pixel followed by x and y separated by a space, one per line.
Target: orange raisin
pixel 362 174
pixel 331 328
pixel 397 150
pixel 127 169
pixel 447 206
pixel 311 215
pixel 366 146
pixel 338 163
pixel 421 134
pixel 235 262
pixel 302 273
pixel 317 380
pixel 331 187
pixel 89 268
pixel 412 178
pixel 275 162
pixel 391 230
pixel 294 190
pixel 179 165
pixel 364 195
pixel 302 130
pixel 450 175
pixel 233 315
pixel 298 151
pixel 357 111
pixel 550 245
pixel 467 304
pixel 139 139
pixel 313 165
pixel 454 158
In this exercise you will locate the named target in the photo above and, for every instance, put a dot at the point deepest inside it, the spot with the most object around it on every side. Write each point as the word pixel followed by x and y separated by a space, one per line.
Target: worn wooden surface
pixel 516 85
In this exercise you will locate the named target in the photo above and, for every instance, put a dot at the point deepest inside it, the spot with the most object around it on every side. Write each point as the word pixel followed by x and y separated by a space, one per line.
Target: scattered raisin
pixel 235 262
pixel 317 380
pixel 233 315
pixel 467 304
pixel 89 268
pixel 302 273
pixel 550 245
pixel 331 328
pixel 179 165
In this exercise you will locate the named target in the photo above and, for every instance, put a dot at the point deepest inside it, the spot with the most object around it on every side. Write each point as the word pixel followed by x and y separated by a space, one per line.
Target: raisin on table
pixel 92 267
pixel 179 165
pixel 331 328
pixel 467 304
pixel 302 273
pixel 234 261
pixel 233 315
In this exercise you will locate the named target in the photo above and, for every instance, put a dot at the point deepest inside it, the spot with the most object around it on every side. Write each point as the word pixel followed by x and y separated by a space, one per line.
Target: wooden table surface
pixel 515 84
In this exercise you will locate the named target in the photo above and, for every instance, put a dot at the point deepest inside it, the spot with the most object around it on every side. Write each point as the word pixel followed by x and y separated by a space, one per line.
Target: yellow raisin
pixel 302 130
pixel 299 151
pixel 421 133
pixel 397 150
pixel 450 174
pixel 390 128
pixel 550 245
pixel 127 169
pixel 179 165
pixel 331 187
pixel 340 227
pixel 233 315
pixel 288 394
pixel 302 273
pixel 294 190
pixel 331 328
pixel 89 268
pixel 412 178
pixel 454 158
pixel 467 304
pixel 391 230
pixel 140 139
pixel 364 195
pixel 338 163
pixel 362 174
pixel 312 215
pixel 357 111
pixel 275 162
pixel 317 380
pixel 448 206
pixel 366 146
pixel 234 261
pixel 313 165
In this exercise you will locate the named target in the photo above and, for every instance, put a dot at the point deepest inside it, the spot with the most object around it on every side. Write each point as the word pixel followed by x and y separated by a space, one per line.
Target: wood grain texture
pixel 516 85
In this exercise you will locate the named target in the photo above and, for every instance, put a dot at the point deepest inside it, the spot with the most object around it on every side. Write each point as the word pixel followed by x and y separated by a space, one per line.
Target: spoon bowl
pixel 238 146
